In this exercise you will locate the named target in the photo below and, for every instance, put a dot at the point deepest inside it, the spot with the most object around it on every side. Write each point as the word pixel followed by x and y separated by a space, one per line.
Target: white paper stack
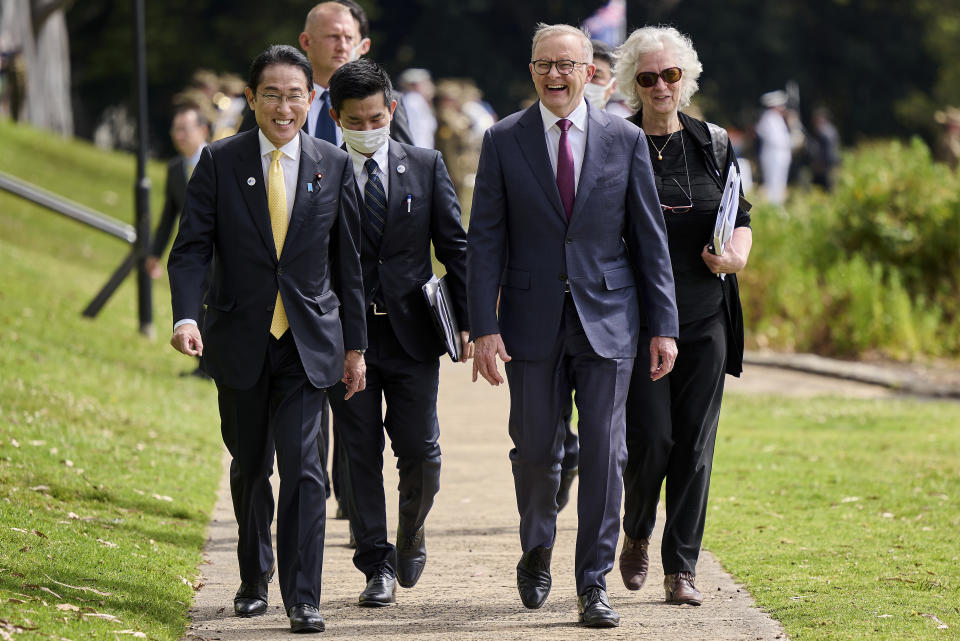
pixel 727 214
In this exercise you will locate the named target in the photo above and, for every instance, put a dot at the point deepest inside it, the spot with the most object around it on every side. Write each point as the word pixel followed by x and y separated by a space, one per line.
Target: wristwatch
pixel 359 351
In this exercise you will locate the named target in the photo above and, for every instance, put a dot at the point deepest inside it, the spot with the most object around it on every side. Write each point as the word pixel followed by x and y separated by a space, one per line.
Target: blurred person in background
pixel 418 93
pixel 455 139
pixel 947 149
pixel 823 148
pixel 230 105
pixel 672 422
pixel 774 138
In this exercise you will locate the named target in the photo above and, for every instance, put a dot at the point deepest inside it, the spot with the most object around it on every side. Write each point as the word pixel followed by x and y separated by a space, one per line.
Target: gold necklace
pixel 660 151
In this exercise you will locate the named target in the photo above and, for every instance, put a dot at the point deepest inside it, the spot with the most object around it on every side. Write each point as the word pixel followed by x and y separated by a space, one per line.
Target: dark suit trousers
pixel 539 391
pixel 281 411
pixel 671 431
pixel 410 390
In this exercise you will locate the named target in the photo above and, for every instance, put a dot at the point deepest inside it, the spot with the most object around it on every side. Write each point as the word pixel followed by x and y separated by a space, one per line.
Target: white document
pixel 727 214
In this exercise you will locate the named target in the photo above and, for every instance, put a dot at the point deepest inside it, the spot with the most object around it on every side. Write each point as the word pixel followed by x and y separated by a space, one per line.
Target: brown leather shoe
pixel 634 562
pixel 680 589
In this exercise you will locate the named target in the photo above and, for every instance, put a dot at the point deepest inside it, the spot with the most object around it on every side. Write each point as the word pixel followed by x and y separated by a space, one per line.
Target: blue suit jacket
pixel 318 274
pixel 521 246
pixel 403 264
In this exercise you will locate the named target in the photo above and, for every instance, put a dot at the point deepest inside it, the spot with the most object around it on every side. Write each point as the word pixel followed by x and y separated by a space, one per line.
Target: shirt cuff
pixel 183 322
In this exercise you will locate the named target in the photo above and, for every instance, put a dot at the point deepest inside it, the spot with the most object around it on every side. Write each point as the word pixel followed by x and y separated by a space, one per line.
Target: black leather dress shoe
pixel 595 610
pixel 251 598
pixel 411 556
pixel 566 482
pixel 305 618
pixel 381 590
pixel 533 576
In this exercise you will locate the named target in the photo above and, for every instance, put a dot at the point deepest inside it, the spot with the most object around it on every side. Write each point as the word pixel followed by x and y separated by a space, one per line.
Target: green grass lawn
pixel 108 459
pixel 842 516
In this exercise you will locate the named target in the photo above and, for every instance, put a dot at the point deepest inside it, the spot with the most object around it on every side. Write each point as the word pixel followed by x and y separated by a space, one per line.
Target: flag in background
pixel 608 23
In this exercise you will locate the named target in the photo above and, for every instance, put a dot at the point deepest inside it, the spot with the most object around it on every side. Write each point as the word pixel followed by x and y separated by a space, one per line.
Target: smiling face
pixel 280 121
pixel 661 98
pixel 561 93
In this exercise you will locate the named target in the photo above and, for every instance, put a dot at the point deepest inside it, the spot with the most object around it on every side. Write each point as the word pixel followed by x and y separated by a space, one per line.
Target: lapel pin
pixel 401 169
pixel 251 181
pixel 316 179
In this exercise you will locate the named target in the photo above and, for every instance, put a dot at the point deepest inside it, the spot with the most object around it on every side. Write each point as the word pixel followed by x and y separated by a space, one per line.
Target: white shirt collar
pixel 290 150
pixel 380 155
pixel 578 116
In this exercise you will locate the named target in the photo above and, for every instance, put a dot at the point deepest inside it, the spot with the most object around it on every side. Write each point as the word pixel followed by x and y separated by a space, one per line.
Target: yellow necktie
pixel 277 204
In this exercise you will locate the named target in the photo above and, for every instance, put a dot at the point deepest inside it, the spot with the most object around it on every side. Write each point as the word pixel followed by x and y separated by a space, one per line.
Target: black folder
pixel 441 310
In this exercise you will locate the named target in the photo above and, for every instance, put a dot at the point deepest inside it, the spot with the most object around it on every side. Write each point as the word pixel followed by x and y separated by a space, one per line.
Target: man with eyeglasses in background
pixel 565 213
pixel 285 319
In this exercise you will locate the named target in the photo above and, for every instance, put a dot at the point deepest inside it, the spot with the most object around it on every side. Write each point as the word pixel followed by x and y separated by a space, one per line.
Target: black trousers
pixel 409 388
pixel 671 431
pixel 280 412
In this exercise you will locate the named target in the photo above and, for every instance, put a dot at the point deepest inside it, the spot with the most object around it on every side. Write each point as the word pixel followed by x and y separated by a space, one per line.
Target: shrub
pixel 872 268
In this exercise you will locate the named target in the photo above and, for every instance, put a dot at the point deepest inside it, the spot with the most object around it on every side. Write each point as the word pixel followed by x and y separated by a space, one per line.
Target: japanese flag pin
pixel 401 169
pixel 251 181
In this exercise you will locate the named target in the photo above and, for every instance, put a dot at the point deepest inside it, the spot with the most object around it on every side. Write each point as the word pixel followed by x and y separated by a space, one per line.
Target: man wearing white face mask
pixel 603 84
pixel 408 201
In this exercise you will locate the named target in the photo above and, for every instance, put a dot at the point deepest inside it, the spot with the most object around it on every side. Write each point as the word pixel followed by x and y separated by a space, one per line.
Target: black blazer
pixel 318 274
pixel 733 311
pixel 402 265
pixel 174 191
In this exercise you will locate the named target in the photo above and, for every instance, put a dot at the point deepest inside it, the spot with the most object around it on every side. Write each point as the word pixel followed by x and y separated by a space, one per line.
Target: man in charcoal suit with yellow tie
pixel 284 320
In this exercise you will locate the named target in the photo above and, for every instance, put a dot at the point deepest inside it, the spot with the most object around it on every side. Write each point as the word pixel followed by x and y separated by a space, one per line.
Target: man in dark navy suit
pixel 408 201
pixel 565 212
pixel 284 320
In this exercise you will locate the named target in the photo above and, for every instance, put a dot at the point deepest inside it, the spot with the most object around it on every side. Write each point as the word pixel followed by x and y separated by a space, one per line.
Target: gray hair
pixel 547 30
pixel 649 40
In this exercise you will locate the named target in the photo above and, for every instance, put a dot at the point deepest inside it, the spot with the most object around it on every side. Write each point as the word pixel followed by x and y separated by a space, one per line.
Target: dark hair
pixel 602 51
pixel 359 15
pixel 359 79
pixel 187 107
pixel 279 55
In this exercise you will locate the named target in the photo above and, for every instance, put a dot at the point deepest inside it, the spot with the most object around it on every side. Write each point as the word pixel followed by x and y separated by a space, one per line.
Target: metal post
pixel 142 188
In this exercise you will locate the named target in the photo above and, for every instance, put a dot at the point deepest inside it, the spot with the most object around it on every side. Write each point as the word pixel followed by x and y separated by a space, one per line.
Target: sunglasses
pixel 670 75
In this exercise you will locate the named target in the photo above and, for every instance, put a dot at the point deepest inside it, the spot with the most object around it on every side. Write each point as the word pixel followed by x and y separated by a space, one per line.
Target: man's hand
pixel 154 269
pixel 663 354
pixel 488 347
pixel 354 373
pixel 466 347
pixel 186 339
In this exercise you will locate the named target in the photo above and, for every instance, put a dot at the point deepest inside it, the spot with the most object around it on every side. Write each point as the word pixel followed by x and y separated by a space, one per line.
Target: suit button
pixel 570 240
pixel 279 271
pixel 379 261
pixel 563 277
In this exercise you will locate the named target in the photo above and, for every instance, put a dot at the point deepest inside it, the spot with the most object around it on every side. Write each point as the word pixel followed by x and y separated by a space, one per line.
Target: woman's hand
pixel 735 253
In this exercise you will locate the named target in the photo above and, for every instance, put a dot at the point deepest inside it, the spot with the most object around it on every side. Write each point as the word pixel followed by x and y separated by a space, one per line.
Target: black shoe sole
pixel 375 604
pixel 307 628
pixel 601 623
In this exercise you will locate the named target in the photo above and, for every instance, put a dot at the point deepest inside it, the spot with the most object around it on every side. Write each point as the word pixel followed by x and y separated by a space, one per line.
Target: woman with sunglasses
pixel 672 423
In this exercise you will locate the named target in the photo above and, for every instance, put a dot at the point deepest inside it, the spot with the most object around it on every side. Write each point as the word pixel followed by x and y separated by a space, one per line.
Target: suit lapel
pixel 533 146
pixel 249 172
pixel 594 157
pixel 310 158
pixel 398 188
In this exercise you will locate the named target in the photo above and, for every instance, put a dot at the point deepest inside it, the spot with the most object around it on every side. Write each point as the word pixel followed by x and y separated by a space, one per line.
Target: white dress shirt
pixel 576 135
pixel 360 172
pixel 315 108
pixel 290 162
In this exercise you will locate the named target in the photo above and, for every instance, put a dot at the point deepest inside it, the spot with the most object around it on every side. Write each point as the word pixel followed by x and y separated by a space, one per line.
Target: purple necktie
pixel 565 177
